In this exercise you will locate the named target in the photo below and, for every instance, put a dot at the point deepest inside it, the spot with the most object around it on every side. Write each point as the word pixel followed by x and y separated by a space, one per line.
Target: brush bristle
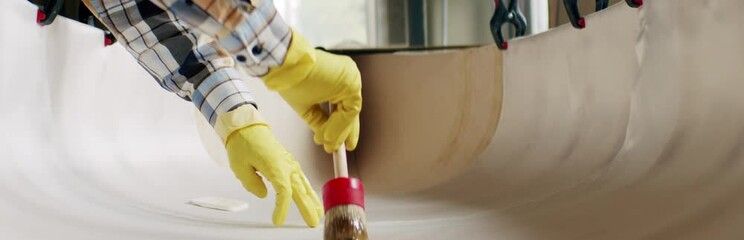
pixel 346 222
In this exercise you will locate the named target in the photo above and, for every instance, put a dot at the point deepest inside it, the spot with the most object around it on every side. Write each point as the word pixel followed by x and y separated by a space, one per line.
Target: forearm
pixel 251 31
pixel 199 72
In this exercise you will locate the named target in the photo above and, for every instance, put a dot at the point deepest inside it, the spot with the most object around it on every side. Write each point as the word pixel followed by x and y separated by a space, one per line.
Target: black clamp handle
pixel 634 3
pixel 48 12
pixel 572 8
pixel 511 15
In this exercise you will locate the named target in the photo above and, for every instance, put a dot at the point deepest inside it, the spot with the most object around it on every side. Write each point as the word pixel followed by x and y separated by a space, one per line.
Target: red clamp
pixel 579 22
pixel 634 3
pixel 504 14
pixel 108 39
pixel 48 12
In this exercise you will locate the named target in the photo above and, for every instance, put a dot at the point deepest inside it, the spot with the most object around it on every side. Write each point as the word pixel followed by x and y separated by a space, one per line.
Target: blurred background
pixel 393 23
pixel 400 23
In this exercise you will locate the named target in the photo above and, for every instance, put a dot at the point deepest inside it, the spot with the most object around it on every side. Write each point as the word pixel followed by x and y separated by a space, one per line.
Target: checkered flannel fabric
pixel 252 31
pixel 162 36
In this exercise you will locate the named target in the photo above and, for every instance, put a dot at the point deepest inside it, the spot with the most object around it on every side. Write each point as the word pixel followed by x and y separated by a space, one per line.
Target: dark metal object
pixel 572 8
pixel 578 21
pixel 72 9
pixel 48 12
pixel 503 14
pixel 634 3
pixel 416 23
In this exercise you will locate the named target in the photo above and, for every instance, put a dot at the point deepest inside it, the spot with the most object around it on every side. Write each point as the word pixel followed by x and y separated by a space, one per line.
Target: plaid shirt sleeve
pixel 252 31
pixel 197 71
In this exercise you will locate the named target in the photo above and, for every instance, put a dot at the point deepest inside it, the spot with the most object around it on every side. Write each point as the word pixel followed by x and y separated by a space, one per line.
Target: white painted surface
pixel 92 148
pixel 219 203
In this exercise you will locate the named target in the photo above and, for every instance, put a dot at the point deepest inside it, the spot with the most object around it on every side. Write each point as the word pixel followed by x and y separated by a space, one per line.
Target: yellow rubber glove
pixel 310 77
pixel 252 148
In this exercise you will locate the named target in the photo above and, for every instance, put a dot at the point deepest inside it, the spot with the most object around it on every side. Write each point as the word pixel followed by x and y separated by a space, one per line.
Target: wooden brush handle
pixel 340 168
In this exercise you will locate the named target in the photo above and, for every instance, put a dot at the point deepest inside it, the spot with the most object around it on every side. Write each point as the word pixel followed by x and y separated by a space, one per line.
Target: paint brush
pixel 343 201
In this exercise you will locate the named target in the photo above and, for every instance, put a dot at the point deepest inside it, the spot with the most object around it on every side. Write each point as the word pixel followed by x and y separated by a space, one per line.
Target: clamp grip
pixel 509 15
pixel 634 3
pixel 48 12
pixel 572 9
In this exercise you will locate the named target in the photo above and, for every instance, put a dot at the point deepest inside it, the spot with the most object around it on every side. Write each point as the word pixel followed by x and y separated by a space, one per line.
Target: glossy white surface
pixel 629 129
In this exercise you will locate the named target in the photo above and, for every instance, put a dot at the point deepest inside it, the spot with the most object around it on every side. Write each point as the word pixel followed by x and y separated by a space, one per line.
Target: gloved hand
pixel 251 148
pixel 310 77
